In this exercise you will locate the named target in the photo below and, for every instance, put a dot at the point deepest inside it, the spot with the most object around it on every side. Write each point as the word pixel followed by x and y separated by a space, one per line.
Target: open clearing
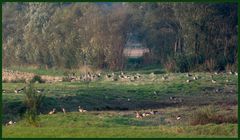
pixel 112 104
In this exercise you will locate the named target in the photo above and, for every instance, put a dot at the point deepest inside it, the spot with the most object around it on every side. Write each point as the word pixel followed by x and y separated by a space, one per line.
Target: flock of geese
pixel 80 109
pixel 22 89
pixel 212 77
pixel 115 77
pixel 138 114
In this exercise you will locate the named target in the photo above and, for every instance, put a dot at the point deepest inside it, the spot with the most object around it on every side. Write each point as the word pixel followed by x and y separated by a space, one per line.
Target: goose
pixel 153 112
pixel 216 73
pixel 236 73
pixel 99 75
pixel 135 77
pixel 122 73
pixel 128 99
pixel 52 112
pixel 139 115
pixel 178 117
pixel 188 81
pixel 195 78
pixel 17 90
pixel 229 72
pixel 152 74
pixel 114 79
pixel 214 81
pixel 145 114
pixel 180 100
pixel 189 75
pixel 108 76
pixel 40 90
pixel 64 111
pixel 10 123
pixel 164 78
pixel 172 98
pixel 81 109
pixel 120 76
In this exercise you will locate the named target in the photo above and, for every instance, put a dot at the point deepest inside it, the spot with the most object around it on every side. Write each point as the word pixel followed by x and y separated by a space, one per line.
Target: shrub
pixel 37 78
pixel 32 102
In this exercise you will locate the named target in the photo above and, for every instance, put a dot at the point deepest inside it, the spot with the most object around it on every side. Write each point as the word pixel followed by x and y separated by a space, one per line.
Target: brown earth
pixel 10 75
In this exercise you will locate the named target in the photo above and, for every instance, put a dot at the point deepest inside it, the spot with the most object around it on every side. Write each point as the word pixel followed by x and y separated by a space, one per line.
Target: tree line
pixel 180 36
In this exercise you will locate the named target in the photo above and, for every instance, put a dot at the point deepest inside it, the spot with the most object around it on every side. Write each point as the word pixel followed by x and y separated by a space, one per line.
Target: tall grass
pixel 209 114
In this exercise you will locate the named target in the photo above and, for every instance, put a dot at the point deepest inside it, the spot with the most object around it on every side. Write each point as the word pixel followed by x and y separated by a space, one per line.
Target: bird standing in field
pixel 139 115
pixel 81 109
pixel 214 81
pixel 236 73
pixel 178 117
pixel 64 111
pixel 195 78
pixel 189 75
pixel 52 112
pixel 153 112
pixel 10 123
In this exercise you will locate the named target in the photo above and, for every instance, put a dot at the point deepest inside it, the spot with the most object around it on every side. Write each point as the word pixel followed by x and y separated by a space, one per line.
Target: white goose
pixel 64 111
pixel 81 109
pixel 52 112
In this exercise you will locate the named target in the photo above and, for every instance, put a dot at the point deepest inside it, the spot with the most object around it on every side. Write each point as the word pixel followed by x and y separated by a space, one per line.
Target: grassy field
pixel 111 106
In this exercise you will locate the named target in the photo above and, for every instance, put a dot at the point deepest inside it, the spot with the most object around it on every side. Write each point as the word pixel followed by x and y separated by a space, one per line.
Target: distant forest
pixel 180 37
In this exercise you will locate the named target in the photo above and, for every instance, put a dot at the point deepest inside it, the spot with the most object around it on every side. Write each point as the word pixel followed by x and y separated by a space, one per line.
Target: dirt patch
pixel 10 76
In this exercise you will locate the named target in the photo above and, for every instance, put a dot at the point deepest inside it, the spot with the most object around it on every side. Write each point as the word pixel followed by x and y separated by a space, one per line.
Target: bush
pixel 37 78
pixel 32 102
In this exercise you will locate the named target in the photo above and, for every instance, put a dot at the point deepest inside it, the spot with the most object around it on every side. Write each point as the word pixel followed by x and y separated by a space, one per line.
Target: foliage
pixel 33 102
pixel 59 35
pixel 38 79
pixel 105 126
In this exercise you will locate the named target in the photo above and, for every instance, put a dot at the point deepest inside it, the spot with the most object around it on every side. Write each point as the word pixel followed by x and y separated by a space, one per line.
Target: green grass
pixel 112 115
pixel 91 125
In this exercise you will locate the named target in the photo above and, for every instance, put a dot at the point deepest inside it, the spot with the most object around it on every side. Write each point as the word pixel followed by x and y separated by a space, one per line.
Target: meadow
pixel 206 109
